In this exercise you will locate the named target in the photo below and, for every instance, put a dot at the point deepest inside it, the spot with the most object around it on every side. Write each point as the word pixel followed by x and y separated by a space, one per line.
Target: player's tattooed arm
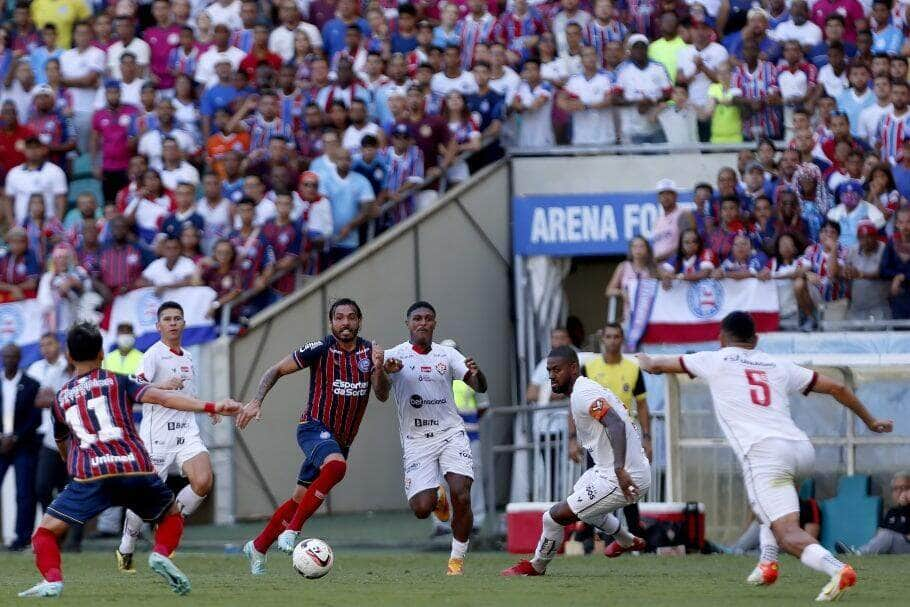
pixel 253 409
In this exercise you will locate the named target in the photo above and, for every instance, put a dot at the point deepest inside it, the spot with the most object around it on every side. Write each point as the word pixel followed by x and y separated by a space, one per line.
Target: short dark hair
pixel 369 140
pixel 168 305
pixel 344 301
pixel 565 353
pixel 49 334
pixel 417 305
pixel 831 224
pixel 407 9
pixel 615 325
pixel 739 325
pixel 125 327
pixel 84 342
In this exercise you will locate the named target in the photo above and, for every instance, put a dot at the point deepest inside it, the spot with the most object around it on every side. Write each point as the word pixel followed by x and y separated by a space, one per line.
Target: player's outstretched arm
pixel 380 379
pixel 253 409
pixel 845 396
pixel 180 402
pixel 475 377
pixel 659 364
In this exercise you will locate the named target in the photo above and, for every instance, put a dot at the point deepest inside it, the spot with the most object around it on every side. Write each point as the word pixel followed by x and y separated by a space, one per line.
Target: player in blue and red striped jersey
pixel 343 367
pixel 109 466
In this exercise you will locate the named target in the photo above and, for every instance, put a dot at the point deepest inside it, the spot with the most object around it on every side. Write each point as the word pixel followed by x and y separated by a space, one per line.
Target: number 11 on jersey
pixel 106 431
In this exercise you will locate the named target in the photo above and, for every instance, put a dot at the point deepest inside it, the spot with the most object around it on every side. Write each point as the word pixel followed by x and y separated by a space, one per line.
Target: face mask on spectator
pixel 126 341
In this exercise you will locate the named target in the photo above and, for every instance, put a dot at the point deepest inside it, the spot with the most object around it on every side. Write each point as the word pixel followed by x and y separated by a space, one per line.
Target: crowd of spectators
pixel 243 143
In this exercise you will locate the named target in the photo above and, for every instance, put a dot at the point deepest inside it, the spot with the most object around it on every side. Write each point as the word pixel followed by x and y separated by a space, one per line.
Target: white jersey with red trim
pixel 590 402
pixel 750 390
pixel 160 424
pixel 423 388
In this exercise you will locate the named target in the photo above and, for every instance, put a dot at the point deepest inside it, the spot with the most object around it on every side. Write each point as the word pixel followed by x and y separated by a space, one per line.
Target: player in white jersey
pixel 433 437
pixel 750 393
pixel 620 475
pixel 170 436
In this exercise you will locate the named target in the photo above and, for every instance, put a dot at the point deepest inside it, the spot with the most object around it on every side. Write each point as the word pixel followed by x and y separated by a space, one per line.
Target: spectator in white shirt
pixel 798 27
pixel 34 176
pixel 152 142
pixel 359 127
pixel 588 97
pixel 534 102
pixel 226 12
pixel 833 76
pixel 503 79
pixel 130 84
pixel 174 169
pixel 170 271
pixel 221 49
pixel 872 115
pixel 571 55
pixel 128 43
pixel 697 67
pixel 642 85
pixel 570 13
pixel 453 77
pixel 281 40
pixel 81 69
pixel 21 91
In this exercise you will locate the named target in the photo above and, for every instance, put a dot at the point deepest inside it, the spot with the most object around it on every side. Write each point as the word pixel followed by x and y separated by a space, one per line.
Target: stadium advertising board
pixel 583 224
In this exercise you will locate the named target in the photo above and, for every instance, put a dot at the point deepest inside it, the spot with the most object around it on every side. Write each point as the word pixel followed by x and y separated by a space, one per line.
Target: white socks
pixel 132 526
pixel 459 549
pixel 816 557
pixel 188 501
pixel 550 540
pixel 611 525
pixel 769 549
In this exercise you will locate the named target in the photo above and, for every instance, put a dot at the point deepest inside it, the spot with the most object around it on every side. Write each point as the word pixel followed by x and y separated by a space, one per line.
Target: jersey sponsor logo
pixel 178 425
pixel 418 401
pixel 100 460
pixel 426 368
pixel 442 368
pixel 411 467
pixel 311 346
pixel 325 435
pixel 350 388
pixel 423 423
pixel 705 298
pixel 85 385
pixel 363 364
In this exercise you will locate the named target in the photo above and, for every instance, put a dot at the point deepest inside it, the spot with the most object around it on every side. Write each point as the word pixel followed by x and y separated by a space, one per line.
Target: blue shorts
pixel 144 494
pixel 317 442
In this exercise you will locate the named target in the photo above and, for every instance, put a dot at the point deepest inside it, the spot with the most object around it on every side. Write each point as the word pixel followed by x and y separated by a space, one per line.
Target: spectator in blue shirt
pixel 852 101
pixel 744 261
pixel 834 32
pixel 352 197
pixel 335 29
pixel 370 163
pixel 219 96
pixel 42 54
pixel 404 38
pixel 886 39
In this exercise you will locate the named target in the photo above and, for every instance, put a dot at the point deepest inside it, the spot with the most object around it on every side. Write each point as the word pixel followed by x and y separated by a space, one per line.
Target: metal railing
pixel 635 148
pixel 540 435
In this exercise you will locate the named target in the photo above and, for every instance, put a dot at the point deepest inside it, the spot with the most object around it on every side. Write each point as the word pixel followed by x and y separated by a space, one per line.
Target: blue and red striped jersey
pixel 339 385
pixel 95 412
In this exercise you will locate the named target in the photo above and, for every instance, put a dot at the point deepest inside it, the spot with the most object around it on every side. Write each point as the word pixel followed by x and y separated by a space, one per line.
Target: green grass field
pixel 385 577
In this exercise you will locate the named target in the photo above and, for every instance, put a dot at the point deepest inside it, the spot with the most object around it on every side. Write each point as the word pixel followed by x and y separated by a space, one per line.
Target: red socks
pixel 47 554
pixel 329 476
pixel 275 526
pixel 168 533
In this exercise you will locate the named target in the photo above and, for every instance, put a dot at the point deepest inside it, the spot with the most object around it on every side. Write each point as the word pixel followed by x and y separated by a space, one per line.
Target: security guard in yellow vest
pixel 126 358
pixel 471 406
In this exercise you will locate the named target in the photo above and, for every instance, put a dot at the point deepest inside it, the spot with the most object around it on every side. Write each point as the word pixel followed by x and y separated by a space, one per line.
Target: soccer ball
pixel 313 558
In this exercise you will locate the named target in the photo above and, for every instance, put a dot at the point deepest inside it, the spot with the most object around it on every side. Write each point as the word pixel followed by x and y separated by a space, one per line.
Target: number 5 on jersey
pixel 106 430
pixel 759 388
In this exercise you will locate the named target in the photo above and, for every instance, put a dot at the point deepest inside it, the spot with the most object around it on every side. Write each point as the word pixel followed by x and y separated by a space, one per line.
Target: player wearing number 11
pixel 750 393
pixel 109 466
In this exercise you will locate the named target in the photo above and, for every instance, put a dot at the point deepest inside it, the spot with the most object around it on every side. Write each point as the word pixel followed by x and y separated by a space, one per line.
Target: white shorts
pixel 170 449
pixel 427 460
pixel 770 469
pixel 597 493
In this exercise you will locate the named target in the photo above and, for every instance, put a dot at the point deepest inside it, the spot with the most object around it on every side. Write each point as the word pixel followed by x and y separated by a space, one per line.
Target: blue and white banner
pixel 140 308
pixel 583 224
pixel 21 324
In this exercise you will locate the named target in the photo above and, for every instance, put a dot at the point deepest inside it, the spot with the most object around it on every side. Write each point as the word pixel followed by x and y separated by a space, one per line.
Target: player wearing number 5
pixel 750 393
pixel 93 425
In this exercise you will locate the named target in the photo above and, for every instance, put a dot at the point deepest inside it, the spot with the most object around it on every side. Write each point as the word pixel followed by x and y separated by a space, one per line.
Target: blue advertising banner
pixel 583 224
